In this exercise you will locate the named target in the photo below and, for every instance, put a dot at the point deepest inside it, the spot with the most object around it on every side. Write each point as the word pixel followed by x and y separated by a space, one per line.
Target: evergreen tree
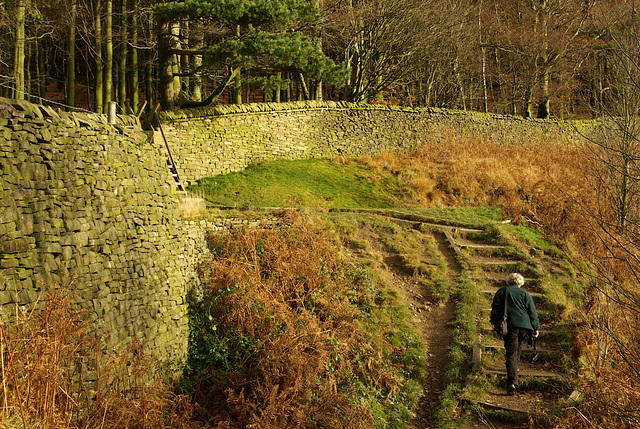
pixel 260 38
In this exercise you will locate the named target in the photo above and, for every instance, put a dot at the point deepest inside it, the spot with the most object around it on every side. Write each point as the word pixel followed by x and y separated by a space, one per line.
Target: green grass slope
pixel 306 183
pixel 330 185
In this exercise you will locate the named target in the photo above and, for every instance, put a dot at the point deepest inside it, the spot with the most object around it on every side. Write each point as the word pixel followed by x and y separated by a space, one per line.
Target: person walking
pixel 522 321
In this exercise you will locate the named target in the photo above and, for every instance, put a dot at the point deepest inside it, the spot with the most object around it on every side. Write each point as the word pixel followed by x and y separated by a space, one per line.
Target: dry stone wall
pixel 86 200
pixel 220 139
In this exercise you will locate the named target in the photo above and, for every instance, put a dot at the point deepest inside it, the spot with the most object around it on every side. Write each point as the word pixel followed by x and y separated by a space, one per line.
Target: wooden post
pixel 112 112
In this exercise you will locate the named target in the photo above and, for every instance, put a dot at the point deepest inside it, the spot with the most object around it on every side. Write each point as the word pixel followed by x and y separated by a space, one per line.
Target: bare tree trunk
pixel 303 85
pixel 183 60
pixel 456 70
pixel 527 109
pixel 288 91
pixel 514 94
pixel 237 81
pixel 320 83
pixel 41 59
pixel 355 84
pixel 237 89
pixel 148 89
pixel 149 76
pixel 70 91
pixel 277 91
pixel 485 98
pixel 108 72
pixel 135 92
pixel 19 52
pixel 195 83
pixel 165 67
pixel 122 59
pixel 543 106
pixel 27 68
pixel 483 51
pixel 99 75
pixel 175 59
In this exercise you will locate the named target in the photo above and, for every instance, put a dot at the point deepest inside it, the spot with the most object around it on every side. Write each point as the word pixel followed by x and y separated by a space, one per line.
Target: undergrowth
pixel 290 334
pixel 56 373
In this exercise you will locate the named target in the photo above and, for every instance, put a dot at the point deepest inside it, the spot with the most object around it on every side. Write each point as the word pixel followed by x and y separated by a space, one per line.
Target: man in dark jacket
pixel 522 320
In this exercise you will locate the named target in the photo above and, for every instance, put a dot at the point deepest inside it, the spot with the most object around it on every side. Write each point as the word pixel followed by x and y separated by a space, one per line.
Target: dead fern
pixel 56 374
pixel 297 306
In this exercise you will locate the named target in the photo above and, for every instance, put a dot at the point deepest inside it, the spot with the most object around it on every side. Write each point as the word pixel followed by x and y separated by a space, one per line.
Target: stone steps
pixel 544 350
pixel 527 372
pixel 492 270
pixel 489 290
pixel 488 260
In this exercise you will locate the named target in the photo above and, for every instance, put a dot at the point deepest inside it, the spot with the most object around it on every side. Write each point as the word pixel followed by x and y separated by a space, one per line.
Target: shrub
pixel 55 373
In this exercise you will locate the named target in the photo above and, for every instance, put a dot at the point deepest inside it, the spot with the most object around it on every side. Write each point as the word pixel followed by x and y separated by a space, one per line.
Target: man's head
pixel 515 279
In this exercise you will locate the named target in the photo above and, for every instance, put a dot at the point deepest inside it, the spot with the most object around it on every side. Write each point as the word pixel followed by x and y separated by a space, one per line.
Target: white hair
pixel 515 279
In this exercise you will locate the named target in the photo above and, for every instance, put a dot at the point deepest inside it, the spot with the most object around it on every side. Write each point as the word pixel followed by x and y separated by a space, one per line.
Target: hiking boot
pixel 512 389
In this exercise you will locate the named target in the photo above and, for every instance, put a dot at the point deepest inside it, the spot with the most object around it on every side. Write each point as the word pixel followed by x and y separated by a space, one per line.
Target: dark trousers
pixel 512 343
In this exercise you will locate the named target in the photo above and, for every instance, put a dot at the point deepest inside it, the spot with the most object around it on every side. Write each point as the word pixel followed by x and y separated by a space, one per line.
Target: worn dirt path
pixel 430 317
pixel 432 321
pixel 437 335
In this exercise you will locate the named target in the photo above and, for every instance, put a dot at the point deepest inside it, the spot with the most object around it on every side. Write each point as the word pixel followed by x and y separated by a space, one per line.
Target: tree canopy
pixel 528 57
pixel 258 38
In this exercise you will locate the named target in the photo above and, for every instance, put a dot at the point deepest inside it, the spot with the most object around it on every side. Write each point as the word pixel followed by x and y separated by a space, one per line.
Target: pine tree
pixel 260 38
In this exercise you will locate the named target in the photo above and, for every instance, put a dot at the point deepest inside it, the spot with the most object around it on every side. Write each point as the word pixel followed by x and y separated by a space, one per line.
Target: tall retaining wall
pixel 220 139
pixel 95 200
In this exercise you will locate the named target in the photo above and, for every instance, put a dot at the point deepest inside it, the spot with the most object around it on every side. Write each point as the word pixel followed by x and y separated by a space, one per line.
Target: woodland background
pixel 534 58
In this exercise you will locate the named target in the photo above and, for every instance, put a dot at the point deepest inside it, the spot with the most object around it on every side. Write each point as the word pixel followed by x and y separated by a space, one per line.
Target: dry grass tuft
pixel 193 206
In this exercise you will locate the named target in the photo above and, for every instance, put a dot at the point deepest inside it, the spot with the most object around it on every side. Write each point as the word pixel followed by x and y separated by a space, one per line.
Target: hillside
pixel 443 265
pixel 359 299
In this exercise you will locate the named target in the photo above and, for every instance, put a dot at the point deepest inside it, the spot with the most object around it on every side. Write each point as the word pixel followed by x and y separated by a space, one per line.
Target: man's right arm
pixel 533 315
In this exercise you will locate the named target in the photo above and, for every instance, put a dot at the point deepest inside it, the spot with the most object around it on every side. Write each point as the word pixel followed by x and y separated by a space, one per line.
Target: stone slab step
pixel 492 290
pixel 490 337
pixel 477 244
pixel 486 331
pixel 486 260
pixel 410 223
pixel 495 404
pixel 539 349
pixel 525 403
pixel 526 370
pixel 500 277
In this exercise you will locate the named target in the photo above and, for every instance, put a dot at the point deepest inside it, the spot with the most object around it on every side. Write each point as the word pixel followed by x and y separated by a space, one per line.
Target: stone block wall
pixel 96 203
pixel 221 139
pixel 83 199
